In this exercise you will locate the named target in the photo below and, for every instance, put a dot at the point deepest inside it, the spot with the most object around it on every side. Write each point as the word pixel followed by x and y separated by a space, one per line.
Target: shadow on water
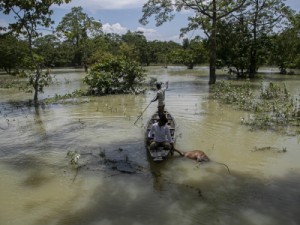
pixel 184 192
pixel 223 199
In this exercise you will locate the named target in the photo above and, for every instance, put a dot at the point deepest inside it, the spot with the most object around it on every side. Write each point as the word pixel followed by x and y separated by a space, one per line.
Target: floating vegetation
pixel 272 109
pixel 269 148
pixel 73 98
pixel 20 84
pixel 73 157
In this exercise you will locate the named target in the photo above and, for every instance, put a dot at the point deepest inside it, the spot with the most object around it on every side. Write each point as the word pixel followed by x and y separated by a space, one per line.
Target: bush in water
pixel 115 75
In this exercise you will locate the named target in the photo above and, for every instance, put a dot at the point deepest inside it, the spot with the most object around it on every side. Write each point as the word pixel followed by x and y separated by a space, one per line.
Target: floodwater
pixel 118 184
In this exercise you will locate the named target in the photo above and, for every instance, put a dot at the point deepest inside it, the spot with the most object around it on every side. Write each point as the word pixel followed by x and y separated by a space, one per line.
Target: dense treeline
pixel 79 41
pixel 240 35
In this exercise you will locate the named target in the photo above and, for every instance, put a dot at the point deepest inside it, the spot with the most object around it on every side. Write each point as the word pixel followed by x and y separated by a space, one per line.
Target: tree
pixel 115 75
pixel 30 15
pixel 286 47
pixel 191 53
pixel 76 27
pixel 262 17
pixel 139 45
pixel 234 46
pixel 47 47
pixel 206 16
pixel 102 46
pixel 161 52
pixel 13 54
pixel 65 53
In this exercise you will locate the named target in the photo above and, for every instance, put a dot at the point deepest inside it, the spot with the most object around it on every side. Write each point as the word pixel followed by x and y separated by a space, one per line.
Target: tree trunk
pixel 253 52
pixel 36 85
pixel 213 48
pixel 253 56
pixel 190 66
pixel 37 75
pixel 252 69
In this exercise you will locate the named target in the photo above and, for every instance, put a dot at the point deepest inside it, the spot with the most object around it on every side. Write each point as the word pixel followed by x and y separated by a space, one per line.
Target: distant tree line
pixel 79 41
pixel 241 35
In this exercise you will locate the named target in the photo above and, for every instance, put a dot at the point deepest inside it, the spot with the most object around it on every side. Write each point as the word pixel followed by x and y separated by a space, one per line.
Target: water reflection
pixel 117 182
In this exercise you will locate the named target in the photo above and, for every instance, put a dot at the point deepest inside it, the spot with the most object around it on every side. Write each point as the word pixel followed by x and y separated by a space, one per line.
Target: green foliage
pixel 273 91
pixel 29 16
pixel 44 80
pixel 272 109
pixel 12 54
pixel 192 52
pixel 135 47
pixel 47 48
pixel 76 27
pixel 243 42
pixel 286 47
pixel 115 75
pixel 205 17
pixel 64 98
pixel 234 46
pixel 73 157
pixel 12 82
pixel 239 95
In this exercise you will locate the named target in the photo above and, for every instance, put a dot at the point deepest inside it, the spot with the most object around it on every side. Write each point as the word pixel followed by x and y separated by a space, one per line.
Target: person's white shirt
pixel 161 134
pixel 161 97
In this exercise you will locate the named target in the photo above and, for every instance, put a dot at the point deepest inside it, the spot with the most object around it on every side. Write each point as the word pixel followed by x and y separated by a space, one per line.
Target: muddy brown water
pixel 39 186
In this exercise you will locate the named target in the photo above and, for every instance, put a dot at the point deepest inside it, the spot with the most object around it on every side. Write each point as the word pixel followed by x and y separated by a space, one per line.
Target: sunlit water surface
pixel 39 186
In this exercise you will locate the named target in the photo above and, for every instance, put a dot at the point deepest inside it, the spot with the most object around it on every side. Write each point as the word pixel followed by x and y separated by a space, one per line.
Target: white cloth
pixel 161 97
pixel 161 134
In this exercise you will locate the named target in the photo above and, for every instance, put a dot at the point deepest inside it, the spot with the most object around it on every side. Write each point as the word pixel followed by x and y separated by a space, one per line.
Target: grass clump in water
pixel 73 97
pixel 272 108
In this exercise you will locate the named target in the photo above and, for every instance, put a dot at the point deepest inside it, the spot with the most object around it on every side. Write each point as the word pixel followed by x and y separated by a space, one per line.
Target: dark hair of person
pixel 163 119
pixel 158 85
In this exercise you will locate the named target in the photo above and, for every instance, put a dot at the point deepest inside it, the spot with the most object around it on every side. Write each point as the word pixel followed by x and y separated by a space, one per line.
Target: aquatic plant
pixel 273 91
pixel 59 98
pixel 273 108
pixel 13 83
pixel 73 157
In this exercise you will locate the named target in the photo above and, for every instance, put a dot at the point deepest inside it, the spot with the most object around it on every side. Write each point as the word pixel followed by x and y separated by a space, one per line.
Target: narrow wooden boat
pixel 160 153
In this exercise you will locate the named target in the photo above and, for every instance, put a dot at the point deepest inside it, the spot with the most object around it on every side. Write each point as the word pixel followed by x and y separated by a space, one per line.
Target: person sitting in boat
pixel 159 134
pixel 160 97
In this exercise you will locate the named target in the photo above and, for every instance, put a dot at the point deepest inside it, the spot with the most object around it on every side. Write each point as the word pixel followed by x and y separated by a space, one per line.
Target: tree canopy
pixel 206 16
pixel 76 27
pixel 30 16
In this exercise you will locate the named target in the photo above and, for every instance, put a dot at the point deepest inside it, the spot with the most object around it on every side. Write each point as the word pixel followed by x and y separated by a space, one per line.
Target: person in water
pixel 160 97
pixel 160 135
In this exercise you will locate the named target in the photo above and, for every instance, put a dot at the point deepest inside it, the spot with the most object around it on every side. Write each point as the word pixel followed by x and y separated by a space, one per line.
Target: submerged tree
pixel 286 47
pixel 262 17
pixel 234 46
pixel 115 75
pixel 30 16
pixel 206 15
